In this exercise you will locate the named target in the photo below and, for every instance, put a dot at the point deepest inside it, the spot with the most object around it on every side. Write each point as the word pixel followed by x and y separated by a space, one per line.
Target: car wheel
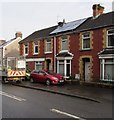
pixel 48 82
pixel 31 80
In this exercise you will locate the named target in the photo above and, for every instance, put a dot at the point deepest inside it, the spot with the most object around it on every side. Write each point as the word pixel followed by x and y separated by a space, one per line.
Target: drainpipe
pixel 103 62
pixel 2 60
pixel 2 55
pixel 54 54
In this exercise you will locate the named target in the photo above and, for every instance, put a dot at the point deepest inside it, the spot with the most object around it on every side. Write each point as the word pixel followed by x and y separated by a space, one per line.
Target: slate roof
pixel 68 26
pixel 4 44
pixel 39 34
pixel 103 20
pixel 107 51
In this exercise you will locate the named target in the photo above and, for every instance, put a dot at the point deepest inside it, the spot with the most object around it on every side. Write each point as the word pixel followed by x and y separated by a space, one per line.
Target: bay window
pixel 38 65
pixel 107 68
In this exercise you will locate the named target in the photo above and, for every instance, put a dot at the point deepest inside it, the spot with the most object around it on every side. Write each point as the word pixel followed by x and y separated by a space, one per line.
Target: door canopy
pixel 64 55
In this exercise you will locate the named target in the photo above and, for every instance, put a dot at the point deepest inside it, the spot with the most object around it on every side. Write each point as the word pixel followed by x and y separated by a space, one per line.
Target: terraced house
pixel 83 49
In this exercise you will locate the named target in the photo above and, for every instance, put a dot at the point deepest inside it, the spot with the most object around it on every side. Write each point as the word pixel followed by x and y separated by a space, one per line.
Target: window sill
pixel 35 53
pixel 25 54
pixel 48 52
pixel 110 47
pixel 89 49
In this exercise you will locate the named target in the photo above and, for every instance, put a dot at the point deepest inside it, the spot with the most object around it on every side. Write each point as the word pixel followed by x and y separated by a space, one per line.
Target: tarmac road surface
pixel 18 102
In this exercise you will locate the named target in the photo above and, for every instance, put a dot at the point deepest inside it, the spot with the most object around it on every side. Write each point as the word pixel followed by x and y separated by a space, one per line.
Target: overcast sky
pixel 29 16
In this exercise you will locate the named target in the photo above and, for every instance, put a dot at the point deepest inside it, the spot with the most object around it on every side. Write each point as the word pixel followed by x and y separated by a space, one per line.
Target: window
pixel 38 65
pixel 64 44
pixel 61 67
pixel 36 71
pixel 86 41
pixel 26 49
pixel 48 46
pixel 107 68
pixel 110 38
pixel 35 47
pixel 64 67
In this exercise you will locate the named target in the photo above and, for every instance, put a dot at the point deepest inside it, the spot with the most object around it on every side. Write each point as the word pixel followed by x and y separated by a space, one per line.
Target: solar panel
pixel 68 26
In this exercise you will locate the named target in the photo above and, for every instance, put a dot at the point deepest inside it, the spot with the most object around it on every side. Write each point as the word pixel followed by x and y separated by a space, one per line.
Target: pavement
pixel 92 93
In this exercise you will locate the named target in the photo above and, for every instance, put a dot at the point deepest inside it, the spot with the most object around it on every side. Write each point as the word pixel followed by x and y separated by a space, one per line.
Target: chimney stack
pixel 61 23
pixel 97 10
pixel 2 42
pixel 18 34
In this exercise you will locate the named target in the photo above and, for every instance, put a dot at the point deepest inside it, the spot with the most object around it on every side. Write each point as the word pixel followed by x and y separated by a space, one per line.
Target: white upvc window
pixel 26 49
pixel 38 65
pixel 64 44
pixel 61 67
pixel 48 48
pixel 110 38
pixel 64 67
pixel 35 47
pixel 86 41
pixel 107 68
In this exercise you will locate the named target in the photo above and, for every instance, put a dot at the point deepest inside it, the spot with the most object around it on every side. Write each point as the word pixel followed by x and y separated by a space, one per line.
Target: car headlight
pixel 55 78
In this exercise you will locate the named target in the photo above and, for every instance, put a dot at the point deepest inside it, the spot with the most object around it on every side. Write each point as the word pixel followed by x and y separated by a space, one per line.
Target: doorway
pixel 87 69
pixel 48 64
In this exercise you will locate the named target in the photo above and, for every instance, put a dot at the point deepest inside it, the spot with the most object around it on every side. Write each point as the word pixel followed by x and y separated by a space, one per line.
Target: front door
pixel 87 71
pixel 48 64
pixel 68 68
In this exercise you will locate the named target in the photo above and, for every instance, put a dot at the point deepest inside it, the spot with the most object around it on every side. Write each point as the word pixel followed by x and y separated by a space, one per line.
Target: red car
pixel 46 77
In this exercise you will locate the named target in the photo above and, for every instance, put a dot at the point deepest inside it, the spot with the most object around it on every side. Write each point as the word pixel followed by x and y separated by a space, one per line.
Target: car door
pixel 35 75
pixel 41 76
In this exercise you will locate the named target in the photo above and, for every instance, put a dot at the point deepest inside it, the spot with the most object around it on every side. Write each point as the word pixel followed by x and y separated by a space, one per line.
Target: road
pixel 20 102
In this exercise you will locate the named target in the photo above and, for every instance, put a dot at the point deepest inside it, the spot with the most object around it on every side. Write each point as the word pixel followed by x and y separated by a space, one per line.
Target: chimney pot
pixel 60 24
pixel 18 34
pixel 97 10
pixel 63 21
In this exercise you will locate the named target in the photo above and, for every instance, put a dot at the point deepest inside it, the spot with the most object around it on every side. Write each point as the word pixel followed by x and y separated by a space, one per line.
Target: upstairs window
pixel 26 49
pixel 64 43
pixel 48 46
pixel 86 41
pixel 110 38
pixel 35 47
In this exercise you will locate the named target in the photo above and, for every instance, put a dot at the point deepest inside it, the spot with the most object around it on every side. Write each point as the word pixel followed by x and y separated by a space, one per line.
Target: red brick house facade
pixel 83 49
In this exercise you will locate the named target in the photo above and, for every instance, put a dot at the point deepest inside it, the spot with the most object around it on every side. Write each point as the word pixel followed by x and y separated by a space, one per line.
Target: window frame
pixel 38 63
pixel 66 46
pixel 85 38
pixel 26 46
pixel 48 42
pixel 103 64
pixel 109 34
pixel 36 45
